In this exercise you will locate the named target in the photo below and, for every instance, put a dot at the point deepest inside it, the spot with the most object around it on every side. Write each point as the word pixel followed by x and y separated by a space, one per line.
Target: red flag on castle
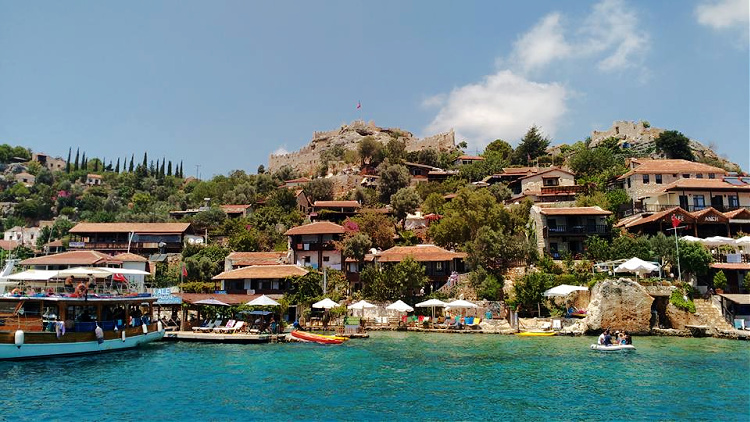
pixel 359 105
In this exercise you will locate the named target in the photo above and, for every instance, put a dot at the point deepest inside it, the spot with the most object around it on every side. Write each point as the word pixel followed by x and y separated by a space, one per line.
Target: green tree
pixel 597 249
pixel 533 145
pixel 694 259
pixel 395 151
pixel 720 280
pixel 369 150
pixel 486 285
pixel 402 280
pixel 433 203
pixel 500 147
pixel 674 144
pixel 67 163
pixel 496 251
pixel 356 246
pixel 319 189
pixel 379 227
pixel 211 218
pixel 428 157
pixel 404 202
pixel 392 178
pixel 528 291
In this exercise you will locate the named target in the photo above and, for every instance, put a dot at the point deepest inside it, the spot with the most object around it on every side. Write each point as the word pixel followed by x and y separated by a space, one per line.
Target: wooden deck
pixel 222 338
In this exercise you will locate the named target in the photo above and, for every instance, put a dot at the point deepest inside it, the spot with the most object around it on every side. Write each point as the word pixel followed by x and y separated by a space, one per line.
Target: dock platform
pixel 235 338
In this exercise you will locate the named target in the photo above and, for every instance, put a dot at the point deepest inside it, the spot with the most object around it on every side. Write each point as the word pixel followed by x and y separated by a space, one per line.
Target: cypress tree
pixel 117 166
pixel 131 168
pixel 161 170
pixel 75 166
pixel 67 163
pixel 145 160
pixel 169 168
pixel 96 165
pixel 84 163
pixel 180 176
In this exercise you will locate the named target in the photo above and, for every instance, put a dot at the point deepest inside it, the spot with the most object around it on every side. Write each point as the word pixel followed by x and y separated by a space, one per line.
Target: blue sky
pixel 224 84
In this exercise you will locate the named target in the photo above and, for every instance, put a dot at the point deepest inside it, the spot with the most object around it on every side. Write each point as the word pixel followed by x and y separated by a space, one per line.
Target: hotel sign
pixel 76 244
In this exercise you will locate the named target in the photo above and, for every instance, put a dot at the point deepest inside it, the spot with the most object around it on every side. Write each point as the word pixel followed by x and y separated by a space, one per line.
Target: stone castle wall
pixel 307 160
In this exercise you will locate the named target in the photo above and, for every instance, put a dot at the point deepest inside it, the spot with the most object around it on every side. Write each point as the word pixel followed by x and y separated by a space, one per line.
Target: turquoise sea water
pixel 391 376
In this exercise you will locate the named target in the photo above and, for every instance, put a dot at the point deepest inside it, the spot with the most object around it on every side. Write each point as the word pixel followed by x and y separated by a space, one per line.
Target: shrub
pixel 720 280
pixel 678 299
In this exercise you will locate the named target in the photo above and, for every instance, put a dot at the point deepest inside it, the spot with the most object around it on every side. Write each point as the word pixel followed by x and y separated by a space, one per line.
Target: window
pixel 699 202
pixel 307 260
pixel 699 176
pixel 326 258
pixel 628 182
pixel 439 266
pixel 734 201
pixel 686 175
pixel 658 179
pixel 712 175
pixel 645 179
pixel 551 181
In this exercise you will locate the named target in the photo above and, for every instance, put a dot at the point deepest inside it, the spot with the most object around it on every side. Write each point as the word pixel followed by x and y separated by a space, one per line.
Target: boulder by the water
pixel 679 318
pixel 619 304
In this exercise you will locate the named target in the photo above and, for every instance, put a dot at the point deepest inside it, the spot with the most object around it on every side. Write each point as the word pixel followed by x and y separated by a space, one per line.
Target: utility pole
pixel 198 171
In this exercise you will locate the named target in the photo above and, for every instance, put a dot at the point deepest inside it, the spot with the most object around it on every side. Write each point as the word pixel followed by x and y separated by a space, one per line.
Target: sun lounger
pixel 739 324
pixel 235 328
pixel 229 325
pixel 209 327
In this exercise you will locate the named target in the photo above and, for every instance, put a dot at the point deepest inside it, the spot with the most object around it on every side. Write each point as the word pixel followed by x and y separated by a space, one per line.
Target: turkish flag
pixel 675 221
pixel 119 277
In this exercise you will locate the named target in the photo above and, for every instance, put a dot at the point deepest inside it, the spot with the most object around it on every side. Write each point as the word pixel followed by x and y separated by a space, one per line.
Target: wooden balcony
pixel 577 230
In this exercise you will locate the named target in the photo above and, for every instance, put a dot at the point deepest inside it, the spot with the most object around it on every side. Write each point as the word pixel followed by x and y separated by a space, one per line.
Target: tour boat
pixel 536 333
pixel 315 338
pixel 43 325
pixel 612 347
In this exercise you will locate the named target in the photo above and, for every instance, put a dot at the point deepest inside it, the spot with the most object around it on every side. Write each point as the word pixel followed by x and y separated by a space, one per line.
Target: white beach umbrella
pixel 563 290
pixel 325 304
pixel 399 306
pixel 637 266
pixel 362 304
pixel 691 238
pixel 263 300
pixel 461 304
pixel 745 240
pixel 210 301
pixel 432 303
pixel 718 241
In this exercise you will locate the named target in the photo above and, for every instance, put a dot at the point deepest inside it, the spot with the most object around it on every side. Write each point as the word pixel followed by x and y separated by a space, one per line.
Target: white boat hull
pixel 612 348
pixel 30 351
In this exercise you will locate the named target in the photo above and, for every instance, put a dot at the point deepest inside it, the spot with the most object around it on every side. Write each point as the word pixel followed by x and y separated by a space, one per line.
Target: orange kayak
pixel 314 338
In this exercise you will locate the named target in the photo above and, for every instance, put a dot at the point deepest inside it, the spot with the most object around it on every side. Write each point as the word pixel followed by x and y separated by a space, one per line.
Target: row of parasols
pixel 719 240
pixel 400 306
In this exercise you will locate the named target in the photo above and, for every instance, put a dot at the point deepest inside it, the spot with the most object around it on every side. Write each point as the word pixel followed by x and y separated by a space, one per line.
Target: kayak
pixel 612 347
pixel 314 338
pixel 536 333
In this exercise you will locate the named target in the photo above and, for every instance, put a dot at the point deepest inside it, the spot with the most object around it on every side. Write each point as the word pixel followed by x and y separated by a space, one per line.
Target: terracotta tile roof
pixel 368 258
pixel 655 217
pixel 671 166
pixel 518 170
pixel 257 258
pixel 130 227
pixel 93 176
pixel 421 253
pixel 230 299
pixel 83 258
pixel 470 157
pixel 9 245
pixel 337 204
pixel 707 184
pixel 55 243
pixel 321 227
pixel 709 210
pixel 549 170
pixel 731 266
pixel 129 257
pixel 574 211
pixel 262 271
pixel 234 209
pixel 738 213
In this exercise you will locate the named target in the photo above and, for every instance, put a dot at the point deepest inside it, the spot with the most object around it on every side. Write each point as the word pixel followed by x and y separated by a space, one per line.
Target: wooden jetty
pixel 233 338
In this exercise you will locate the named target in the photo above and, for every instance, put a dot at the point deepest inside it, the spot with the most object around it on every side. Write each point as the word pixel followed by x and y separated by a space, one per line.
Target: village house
pixel 237 260
pixel 50 163
pixel 467 159
pixel 439 263
pixel 648 177
pixel 258 279
pixel 140 238
pixel 27 179
pixel 70 259
pixel 312 245
pixel 336 211
pixel 93 179
pixel 565 229
pixel 237 211
pixel 703 223
pixel 23 236
pixel 723 194
pixel 551 185
pixel 296 183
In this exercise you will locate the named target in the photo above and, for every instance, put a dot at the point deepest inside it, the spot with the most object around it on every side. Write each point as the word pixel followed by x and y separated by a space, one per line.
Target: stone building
pixel 561 230
pixel 50 163
pixel 313 245
pixel 648 177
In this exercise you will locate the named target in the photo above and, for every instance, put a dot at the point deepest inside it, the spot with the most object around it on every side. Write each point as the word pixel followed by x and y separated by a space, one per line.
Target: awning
pixel 563 290
pixel 737 298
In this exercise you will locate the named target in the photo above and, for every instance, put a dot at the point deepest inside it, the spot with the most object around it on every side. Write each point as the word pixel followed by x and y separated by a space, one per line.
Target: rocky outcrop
pixel 678 318
pixel 619 304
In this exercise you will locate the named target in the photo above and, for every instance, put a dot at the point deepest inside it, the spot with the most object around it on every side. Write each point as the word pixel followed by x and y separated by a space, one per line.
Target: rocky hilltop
pixel 640 136
pixel 307 160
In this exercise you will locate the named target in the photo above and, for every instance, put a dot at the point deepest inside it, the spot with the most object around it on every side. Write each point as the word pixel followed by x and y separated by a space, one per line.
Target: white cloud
pixel 504 105
pixel 723 14
pixel 543 44
pixel 610 34
pixel 280 151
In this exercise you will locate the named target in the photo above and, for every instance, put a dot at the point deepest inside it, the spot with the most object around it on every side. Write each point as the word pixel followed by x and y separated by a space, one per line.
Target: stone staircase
pixel 710 314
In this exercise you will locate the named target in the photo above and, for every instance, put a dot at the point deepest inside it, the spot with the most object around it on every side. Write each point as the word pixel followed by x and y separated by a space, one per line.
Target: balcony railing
pixel 550 190
pixel 690 208
pixel 325 246
pixel 577 230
